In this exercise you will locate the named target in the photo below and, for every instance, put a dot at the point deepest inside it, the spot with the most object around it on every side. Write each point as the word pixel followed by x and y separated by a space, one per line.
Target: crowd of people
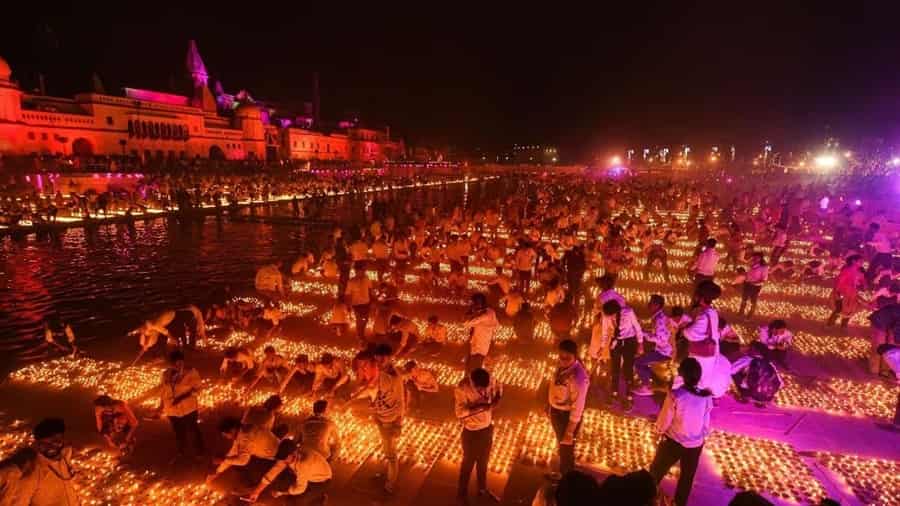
pixel 549 246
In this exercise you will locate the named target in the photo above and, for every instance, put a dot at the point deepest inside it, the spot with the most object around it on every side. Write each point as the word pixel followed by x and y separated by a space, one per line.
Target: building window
pixel 31 136
pixel 44 136
pixel 109 120
pixel 130 128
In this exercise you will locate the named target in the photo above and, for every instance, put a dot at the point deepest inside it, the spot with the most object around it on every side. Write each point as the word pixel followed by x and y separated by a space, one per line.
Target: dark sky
pixel 475 75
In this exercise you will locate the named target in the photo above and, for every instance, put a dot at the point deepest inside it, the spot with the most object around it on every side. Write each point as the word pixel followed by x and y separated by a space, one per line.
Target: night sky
pixel 470 75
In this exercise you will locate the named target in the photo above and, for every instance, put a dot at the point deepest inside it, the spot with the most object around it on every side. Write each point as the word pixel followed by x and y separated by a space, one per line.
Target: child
pixel 435 336
pixel 755 376
pixel 417 380
pixel 340 317
pixel 777 339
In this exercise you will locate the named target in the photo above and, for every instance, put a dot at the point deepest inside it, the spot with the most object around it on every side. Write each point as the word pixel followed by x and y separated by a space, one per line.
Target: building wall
pixel 96 124
pixel 300 144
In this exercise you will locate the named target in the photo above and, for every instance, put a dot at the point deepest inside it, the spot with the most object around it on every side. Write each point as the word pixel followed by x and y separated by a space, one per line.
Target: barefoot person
pixel 150 331
pixel 178 403
pixel 116 423
pixel 475 399
pixel 383 385
pixel 312 475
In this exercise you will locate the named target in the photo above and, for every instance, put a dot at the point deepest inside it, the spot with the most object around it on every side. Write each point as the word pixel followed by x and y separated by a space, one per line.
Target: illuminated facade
pixel 154 125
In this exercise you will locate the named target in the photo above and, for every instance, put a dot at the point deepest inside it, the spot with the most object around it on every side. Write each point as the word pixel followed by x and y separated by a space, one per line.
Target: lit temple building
pixel 152 125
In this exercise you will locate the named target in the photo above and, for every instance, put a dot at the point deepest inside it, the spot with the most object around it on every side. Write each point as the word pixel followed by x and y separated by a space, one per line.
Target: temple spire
pixel 195 66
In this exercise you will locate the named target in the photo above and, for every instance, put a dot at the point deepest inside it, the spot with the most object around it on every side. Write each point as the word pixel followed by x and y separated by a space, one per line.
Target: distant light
pixel 823 204
pixel 802 164
pixel 713 158
pixel 826 162
pixel 847 154
pixel 858 202
pixel 895 161
pixel 554 159
pixel 616 160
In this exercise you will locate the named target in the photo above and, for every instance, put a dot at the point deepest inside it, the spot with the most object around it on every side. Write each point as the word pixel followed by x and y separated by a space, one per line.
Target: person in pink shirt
pixel 845 294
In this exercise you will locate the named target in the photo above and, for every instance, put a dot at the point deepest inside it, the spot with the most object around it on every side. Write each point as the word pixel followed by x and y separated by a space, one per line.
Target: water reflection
pixel 106 278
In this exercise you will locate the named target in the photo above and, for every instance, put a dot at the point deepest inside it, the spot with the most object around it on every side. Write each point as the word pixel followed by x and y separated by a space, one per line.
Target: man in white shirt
pixel 567 395
pixel 661 336
pixel 250 442
pixel 704 267
pixel 482 323
pixel 753 282
pixel 474 400
pixel 779 244
pixel 312 474
pixel 622 331
pixel 883 252
pixel 320 433
pixel 178 403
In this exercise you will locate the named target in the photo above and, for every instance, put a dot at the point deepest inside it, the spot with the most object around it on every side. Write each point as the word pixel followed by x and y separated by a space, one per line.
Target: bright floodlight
pixel 826 162
pixel 615 160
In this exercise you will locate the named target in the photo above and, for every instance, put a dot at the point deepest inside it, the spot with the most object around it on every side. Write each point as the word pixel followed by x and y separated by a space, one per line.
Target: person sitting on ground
pixel 303 263
pixel 302 371
pixel 777 339
pixel 330 376
pixel 320 433
pixel 265 414
pixel 755 376
pixel 729 340
pixel 418 380
pixel 435 336
pixel 662 341
pixel 635 489
pixel 555 294
pixel 273 367
pixel 312 474
pixel 238 362
pixel 275 316
pixel 512 303
pixel 116 423
pixel 50 340
pixel 253 449
pixel 269 279
pixel 408 334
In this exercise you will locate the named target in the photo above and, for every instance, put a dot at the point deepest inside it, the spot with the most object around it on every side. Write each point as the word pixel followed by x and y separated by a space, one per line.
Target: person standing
pixel 359 294
pixel 683 423
pixel 621 329
pixel 753 283
pixel 779 244
pixel 845 294
pixel 475 399
pixel 524 258
pixel 575 265
pixel 566 398
pixel 704 267
pixel 383 385
pixel 482 323
pixel 178 403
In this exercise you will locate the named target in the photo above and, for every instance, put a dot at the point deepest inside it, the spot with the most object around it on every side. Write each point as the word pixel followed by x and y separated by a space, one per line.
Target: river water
pixel 106 280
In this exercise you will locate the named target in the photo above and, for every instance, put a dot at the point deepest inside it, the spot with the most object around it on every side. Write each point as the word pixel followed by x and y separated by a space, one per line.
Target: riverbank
pixel 66 222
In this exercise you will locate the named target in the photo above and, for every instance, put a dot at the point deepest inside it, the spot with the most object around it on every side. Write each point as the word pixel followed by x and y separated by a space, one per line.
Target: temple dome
pixel 5 70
